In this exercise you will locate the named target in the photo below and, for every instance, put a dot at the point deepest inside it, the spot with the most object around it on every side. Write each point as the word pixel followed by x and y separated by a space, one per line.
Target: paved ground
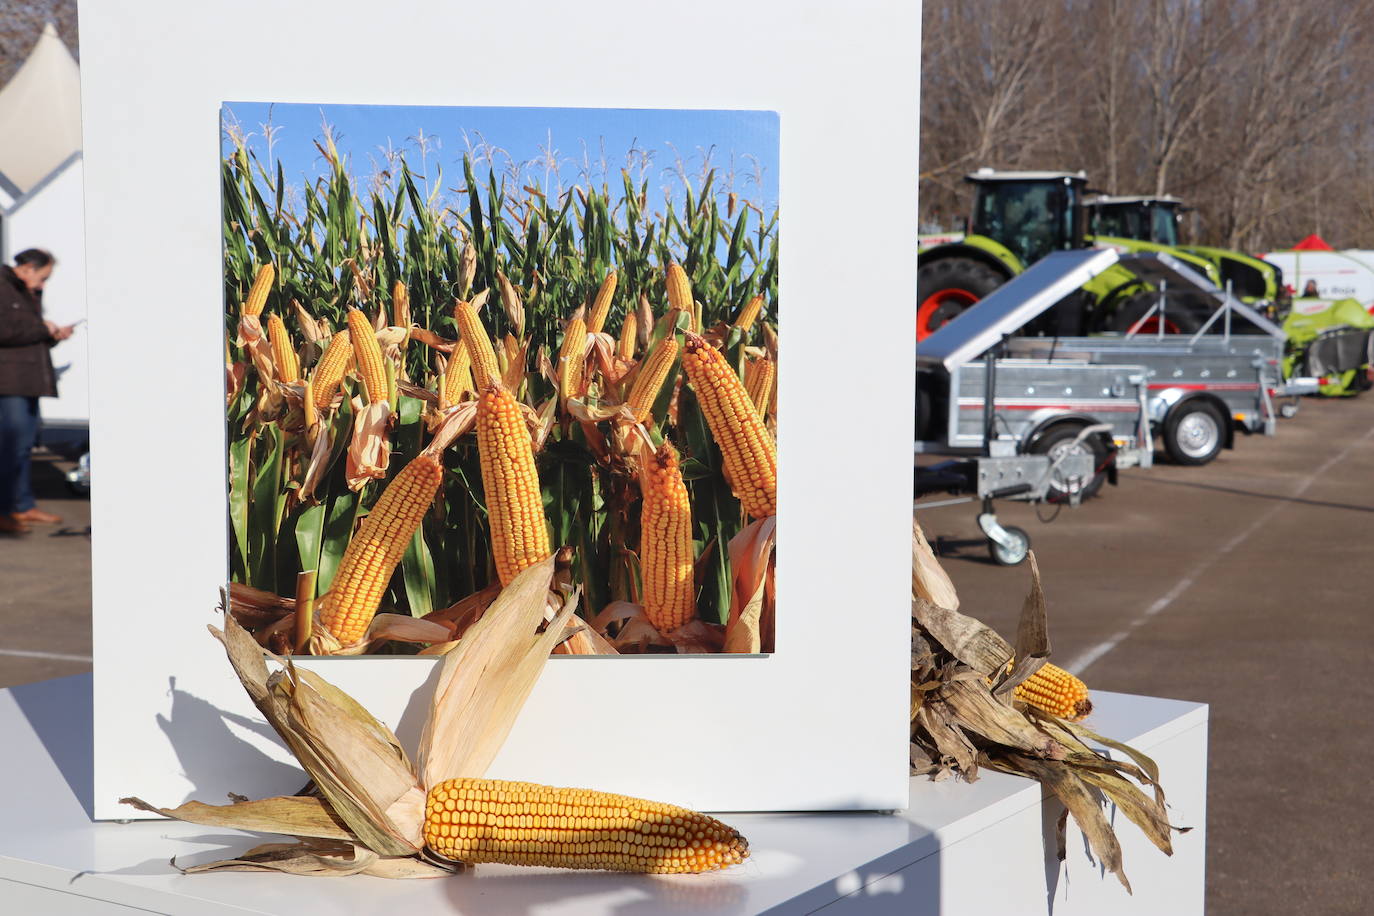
pixel 45 586
pixel 1248 585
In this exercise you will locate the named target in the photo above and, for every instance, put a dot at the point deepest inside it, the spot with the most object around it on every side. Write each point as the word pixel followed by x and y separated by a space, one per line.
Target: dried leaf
pixel 928 578
pixel 751 553
pixel 293 815
pixel 308 859
pixel 369 453
pixel 486 679
pixel 970 641
pixel 1067 785
pixel 406 629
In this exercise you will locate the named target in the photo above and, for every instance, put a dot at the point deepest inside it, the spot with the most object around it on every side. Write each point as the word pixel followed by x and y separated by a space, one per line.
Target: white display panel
pixel 821 724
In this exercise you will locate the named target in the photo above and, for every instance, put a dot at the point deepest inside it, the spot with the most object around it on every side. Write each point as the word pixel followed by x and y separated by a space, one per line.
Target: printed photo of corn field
pixel 460 341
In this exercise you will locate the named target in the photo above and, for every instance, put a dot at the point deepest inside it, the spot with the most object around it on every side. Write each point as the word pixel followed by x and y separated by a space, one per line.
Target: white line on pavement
pixel 55 656
pixel 1084 660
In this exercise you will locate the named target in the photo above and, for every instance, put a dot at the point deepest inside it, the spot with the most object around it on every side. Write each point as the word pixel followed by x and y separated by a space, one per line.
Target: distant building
pixel 41 206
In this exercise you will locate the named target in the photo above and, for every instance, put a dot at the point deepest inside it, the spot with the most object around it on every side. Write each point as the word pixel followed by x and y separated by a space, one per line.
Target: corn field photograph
pixel 462 341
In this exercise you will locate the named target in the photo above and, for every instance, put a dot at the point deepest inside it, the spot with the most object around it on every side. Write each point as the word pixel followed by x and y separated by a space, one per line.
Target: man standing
pixel 26 374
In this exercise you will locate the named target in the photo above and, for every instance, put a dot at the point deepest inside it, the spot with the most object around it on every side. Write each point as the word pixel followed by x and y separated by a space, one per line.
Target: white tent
pixel 41 206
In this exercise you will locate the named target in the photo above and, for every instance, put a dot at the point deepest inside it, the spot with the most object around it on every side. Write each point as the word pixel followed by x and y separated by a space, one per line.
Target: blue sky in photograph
pixel 553 147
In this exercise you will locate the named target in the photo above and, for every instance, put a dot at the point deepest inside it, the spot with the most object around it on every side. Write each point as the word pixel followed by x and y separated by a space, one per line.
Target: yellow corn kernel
pixel 749 314
pixel 747 449
pixel 625 347
pixel 651 377
pixel 257 294
pixel 377 548
pixel 1053 690
pixel 758 381
pixel 332 367
pixel 515 504
pixel 522 823
pixel 284 357
pixel 485 370
pixel 571 358
pixel 679 288
pixel 601 306
pixel 457 376
pixel 665 543
pixel 368 355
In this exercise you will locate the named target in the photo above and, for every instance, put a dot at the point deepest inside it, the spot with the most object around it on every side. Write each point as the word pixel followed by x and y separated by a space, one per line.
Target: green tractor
pixel 1156 219
pixel 1019 218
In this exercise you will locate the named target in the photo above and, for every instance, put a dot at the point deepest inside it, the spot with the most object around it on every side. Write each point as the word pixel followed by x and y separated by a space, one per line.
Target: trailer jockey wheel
pixel 1004 555
pixel 1193 433
pixel 1289 410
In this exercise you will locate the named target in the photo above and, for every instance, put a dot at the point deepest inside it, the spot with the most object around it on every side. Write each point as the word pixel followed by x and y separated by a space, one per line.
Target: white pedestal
pixel 960 849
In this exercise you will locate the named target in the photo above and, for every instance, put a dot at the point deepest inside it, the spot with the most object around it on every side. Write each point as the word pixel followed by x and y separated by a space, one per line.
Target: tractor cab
pixel 1146 219
pixel 1029 213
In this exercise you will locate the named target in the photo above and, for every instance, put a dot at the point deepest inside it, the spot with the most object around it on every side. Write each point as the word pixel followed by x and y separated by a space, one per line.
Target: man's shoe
pixel 38 517
pixel 10 524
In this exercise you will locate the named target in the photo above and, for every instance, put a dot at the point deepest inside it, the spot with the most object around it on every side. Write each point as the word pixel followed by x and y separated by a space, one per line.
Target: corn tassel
pixel 651 377
pixel 749 314
pixel 331 368
pixel 625 347
pixel 1053 690
pixel 377 548
pixel 521 823
pixel 371 368
pixel 749 453
pixel 601 306
pixel 515 505
pixel 284 357
pixel 257 294
pixel 665 543
pixel 485 369
pixel 571 358
pixel 758 381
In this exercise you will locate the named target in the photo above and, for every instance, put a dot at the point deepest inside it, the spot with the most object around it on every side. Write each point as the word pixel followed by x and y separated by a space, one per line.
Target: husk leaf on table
pixel 964 715
pixel 368 814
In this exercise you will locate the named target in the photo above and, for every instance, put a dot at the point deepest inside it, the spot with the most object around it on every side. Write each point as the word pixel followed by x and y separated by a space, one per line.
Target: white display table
pixel 960 849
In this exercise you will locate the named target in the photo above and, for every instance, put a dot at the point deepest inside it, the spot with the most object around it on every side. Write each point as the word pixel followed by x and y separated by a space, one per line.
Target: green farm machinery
pixel 1019 218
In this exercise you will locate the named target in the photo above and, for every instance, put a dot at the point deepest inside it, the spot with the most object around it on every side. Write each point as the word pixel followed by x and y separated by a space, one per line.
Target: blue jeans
pixel 18 433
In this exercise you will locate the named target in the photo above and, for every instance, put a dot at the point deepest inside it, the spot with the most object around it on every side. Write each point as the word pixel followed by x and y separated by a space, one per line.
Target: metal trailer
pixel 1203 387
pixel 1052 431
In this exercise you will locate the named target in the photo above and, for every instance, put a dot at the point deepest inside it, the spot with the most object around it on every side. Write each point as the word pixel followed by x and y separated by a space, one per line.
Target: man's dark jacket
pixel 25 366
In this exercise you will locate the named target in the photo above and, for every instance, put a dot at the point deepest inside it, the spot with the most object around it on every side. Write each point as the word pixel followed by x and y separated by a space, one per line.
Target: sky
pixel 581 141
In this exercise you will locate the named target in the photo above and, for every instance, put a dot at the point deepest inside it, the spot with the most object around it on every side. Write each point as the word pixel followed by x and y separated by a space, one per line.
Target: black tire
pixel 1179 318
pixel 947 286
pixel 1058 440
pixel 923 417
pixel 1004 557
pixel 1194 433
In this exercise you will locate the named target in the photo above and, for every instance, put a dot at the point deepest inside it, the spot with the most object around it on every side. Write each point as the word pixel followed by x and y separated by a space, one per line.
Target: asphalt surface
pixel 45 585
pixel 1248 585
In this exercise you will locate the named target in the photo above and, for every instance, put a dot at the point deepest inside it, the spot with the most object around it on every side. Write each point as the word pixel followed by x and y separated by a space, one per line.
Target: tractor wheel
pixel 1130 314
pixel 1194 432
pixel 947 286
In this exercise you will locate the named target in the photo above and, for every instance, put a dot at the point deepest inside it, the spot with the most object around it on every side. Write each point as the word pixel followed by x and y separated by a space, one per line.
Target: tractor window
pixel 1166 226
pixel 1030 218
pixel 1122 221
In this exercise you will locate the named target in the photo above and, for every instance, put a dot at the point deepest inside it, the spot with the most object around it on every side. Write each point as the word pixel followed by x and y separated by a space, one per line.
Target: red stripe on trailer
pixel 1091 408
pixel 1218 386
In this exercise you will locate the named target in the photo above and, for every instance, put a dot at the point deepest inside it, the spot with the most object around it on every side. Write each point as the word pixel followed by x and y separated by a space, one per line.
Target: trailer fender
pixel 1164 401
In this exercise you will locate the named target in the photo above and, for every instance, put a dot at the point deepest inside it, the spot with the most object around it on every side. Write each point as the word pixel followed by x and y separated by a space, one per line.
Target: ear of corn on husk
pixel 374 814
pixel 962 718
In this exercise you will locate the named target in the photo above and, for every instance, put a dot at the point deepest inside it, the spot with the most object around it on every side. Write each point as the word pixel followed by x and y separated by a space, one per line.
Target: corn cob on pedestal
pixel 931 859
